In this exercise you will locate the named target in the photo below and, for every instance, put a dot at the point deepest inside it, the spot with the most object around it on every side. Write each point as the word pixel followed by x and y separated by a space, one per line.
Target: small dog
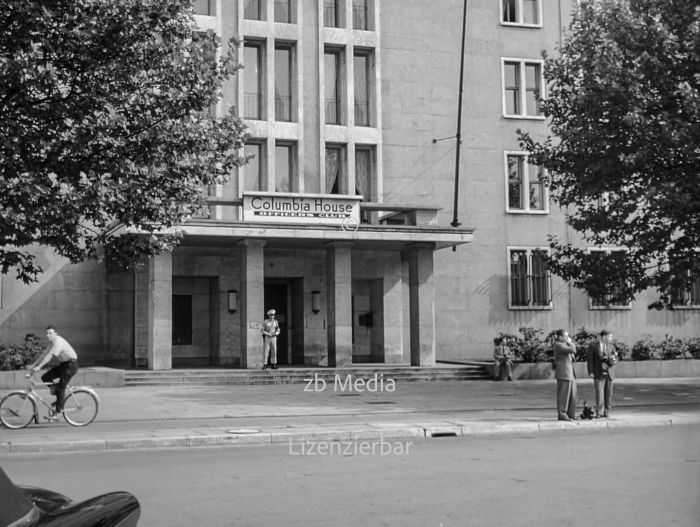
pixel 587 412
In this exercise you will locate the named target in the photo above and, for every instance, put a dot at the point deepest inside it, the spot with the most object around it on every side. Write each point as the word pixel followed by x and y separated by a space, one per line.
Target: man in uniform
pixel 270 330
pixel 58 349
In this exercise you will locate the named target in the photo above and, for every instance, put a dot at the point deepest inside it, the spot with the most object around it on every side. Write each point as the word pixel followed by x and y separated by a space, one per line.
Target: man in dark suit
pixel 564 353
pixel 601 364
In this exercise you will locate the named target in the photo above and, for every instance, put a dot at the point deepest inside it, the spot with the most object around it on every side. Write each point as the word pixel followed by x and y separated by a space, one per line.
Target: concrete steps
pixel 298 375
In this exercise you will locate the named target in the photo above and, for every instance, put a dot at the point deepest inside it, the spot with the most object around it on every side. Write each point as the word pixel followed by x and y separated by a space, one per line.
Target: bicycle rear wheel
pixel 16 410
pixel 80 408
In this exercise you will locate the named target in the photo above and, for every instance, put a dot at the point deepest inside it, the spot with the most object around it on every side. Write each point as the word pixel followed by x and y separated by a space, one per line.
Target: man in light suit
pixel 564 353
pixel 601 364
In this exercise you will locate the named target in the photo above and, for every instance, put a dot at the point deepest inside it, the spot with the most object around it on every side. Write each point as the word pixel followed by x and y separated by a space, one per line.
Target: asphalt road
pixel 626 477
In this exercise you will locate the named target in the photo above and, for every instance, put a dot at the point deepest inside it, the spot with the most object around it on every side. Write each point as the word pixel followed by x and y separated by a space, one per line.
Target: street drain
pixel 442 434
pixel 380 402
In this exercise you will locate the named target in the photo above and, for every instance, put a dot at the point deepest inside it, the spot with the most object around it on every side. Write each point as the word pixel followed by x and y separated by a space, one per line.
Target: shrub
pixel 531 348
pixel 19 357
pixel 583 339
pixel 622 349
pixel 645 349
pixel 694 347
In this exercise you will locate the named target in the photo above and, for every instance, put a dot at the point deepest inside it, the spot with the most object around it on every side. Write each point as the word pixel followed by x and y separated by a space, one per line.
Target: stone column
pixel 160 312
pixel 339 303
pixel 392 323
pixel 422 304
pixel 251 301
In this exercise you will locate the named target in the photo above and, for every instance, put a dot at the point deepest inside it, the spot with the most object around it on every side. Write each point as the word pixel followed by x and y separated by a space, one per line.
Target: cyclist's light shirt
pixel 63 351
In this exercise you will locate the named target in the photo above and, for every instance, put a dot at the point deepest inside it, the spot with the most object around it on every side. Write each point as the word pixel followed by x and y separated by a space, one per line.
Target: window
pixel 252 78
pixel 522 88
pixel 521 12
pixel 364 176
pixel 283 83
pixel 252 171
pixel 525 189
pixel 336 172
pixel 616 299
pixel 253 10
pixel 182 320
pixel 331 13
pixel 360 19
pixel 283 11
pixel 205 7
pixel 364 172
pixel 331 65
pixel 688 293
pixel 284 163
pixel 529 279
pixel 362 88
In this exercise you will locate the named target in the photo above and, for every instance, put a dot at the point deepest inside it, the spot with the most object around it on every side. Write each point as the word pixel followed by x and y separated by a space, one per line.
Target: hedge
pixel 531 346
pixel 19 357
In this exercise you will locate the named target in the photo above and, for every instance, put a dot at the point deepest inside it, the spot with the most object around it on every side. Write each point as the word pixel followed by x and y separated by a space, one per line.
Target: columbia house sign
pixel 301 208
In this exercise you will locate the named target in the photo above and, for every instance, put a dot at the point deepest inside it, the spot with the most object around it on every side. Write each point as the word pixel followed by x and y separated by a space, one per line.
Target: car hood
pixel 36 507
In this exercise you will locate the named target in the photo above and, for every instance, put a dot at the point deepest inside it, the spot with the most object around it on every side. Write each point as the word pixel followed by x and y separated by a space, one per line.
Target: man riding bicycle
pixel 61 350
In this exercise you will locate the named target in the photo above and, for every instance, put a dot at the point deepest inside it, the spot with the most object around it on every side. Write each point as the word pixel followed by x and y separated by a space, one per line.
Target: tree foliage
pixel 107 135
pixel 623 157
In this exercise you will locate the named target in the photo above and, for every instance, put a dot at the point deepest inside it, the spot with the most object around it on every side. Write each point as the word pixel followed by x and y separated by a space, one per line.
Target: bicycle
pixel 18 408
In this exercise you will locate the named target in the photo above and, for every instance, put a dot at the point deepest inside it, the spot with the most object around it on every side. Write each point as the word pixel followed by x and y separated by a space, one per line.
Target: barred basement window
pixel 182 320
pixel 529 279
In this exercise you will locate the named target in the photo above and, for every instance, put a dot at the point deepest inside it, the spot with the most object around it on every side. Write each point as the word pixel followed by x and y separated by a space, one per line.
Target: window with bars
pixel 182 320
pixel 332 74
pixel 688 293
pixel 525 187
pixel 521 12
pixel 252 80
pixel 283 82
pixel 522 88
pixel 530 281
pixel 615 299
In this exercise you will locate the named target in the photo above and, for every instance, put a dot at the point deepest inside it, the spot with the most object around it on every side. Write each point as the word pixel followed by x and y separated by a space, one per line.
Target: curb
pixel 348 433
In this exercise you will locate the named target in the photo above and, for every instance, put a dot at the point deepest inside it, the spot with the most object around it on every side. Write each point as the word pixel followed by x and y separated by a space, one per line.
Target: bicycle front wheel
pixel 80 408
pixel 16 410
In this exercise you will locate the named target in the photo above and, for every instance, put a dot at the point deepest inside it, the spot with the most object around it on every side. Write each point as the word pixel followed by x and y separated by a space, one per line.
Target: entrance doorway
pixel 285 296
pixel 276 298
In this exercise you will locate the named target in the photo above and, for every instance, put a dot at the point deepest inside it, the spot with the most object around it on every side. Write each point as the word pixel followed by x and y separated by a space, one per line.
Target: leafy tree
pixel 107 137
pixel 623 158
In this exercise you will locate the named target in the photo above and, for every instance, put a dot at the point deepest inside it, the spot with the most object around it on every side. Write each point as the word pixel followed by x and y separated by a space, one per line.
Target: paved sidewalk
pixel 198 416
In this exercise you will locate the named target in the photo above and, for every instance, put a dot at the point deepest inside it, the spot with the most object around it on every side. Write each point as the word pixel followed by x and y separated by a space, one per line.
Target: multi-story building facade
pixel 341 221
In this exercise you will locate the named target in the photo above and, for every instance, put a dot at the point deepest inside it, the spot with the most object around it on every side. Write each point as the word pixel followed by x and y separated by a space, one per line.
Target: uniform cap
pixel 271 312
